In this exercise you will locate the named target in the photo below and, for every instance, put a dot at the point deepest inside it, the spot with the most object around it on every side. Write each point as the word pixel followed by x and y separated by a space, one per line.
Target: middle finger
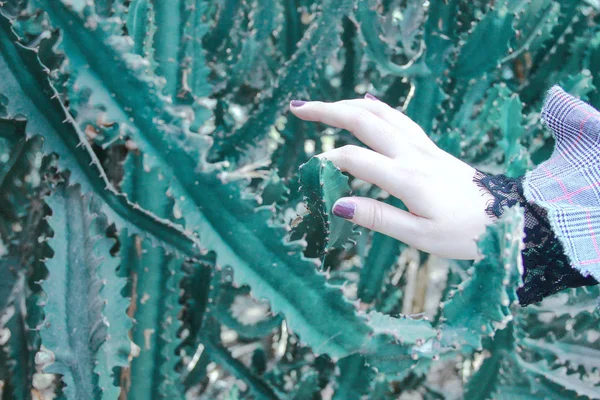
pixel 366 126
pixel 374 168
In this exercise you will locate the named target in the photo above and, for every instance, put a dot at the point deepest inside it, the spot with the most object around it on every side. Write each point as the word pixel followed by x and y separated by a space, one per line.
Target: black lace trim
pixel 546 269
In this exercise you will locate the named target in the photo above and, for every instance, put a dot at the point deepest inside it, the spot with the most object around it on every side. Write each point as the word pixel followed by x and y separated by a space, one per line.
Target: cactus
pixel 323 183
pixel 85 325
pixel 164 231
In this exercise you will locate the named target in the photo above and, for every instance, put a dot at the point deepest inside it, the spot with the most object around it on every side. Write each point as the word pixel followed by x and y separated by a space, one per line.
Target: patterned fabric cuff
pixel 546 269
pixel 567 185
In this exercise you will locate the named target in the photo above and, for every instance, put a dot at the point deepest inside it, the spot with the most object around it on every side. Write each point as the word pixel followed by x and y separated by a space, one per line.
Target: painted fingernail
pixel 371 97
pixel 297 103
pixel 344 209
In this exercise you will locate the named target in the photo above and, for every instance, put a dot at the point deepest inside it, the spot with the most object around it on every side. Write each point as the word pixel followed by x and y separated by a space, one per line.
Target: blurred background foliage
pixel 157 238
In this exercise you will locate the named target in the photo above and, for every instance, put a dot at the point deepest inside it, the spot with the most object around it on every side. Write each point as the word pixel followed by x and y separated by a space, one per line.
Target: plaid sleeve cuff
pixel 546 269
pixel 567 185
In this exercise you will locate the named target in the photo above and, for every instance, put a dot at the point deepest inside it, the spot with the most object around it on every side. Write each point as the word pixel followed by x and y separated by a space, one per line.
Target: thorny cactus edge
pixel 157 238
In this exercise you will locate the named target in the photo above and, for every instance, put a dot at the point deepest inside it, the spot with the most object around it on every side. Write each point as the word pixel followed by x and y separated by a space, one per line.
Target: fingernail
pixel 371 97
pixel 297 103
pixel 344 209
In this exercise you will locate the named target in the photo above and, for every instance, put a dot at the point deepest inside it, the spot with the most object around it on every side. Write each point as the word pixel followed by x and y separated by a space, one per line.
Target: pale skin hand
pixel 446 207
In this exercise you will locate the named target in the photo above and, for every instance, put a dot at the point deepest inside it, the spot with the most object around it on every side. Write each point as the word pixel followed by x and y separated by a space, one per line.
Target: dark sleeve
pixel 546 269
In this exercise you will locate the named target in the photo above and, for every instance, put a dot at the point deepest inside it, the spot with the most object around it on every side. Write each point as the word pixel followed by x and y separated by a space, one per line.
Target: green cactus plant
pixel 166 232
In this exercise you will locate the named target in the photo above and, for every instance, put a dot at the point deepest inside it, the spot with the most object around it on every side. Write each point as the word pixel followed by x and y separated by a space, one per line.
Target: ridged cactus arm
pixel 199 285
pixel 322 184
pixel 544 360
pixel 480 305
pixel 516 157
pixel 474 115
pixel 140 17
pixel 155 278
pixel 195 70
pixel 466 319
pixel 293 79
pixel 377 49
pixel 17 352
pixel 497 119
pixel 463 117
pixel 33 96
pixel 170 385
pixel 21 347
pixel 229 224
pixel 206 313
pixel 572 350
pixel 511 370
pixel 277 271
pixel 535 24
pixel 131 94
pixel 225 18
pixel 117 346
pixel 424 103
pixel 22 223
pixel 380 259
pixel 170 18
pixel 291 31
pixel 495 29
pixel 334 185
pixel 85 326
pixel 401 344
pixel 183 67
pixel 550 59
pixel 262 23
pixel 472 77
pixel 484 384
pixel 111 90
pixel 130 97
pixel 544 379
pixel 354 378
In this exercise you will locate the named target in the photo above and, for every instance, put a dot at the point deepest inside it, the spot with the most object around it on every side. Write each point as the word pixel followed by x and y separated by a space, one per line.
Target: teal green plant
pixel 166 232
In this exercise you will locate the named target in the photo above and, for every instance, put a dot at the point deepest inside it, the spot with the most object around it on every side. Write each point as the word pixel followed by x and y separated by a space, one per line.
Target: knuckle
pixel 410 171
pixel 417 167
pixel 427 231
pixel 427 148
pixel 385 106
pixel 391 136
pixel 375 218
pixel 360 116
pixel 349 152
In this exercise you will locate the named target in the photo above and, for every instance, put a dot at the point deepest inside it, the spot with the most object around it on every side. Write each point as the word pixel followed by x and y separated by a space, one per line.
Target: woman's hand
pixel 447 209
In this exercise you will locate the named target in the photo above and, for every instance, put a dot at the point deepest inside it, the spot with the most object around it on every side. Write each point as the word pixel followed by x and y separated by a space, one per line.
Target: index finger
pixel 366 126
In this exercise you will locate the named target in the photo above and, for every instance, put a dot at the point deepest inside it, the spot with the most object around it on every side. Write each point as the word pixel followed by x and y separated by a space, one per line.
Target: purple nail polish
pixel 344 209
pixel 371 97
pixel 298 103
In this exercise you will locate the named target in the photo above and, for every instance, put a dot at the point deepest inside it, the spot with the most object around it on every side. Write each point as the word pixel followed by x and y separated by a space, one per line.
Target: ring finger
pixel 374 168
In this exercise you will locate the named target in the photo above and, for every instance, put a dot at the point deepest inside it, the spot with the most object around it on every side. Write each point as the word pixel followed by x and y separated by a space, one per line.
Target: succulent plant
pixel 166 232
